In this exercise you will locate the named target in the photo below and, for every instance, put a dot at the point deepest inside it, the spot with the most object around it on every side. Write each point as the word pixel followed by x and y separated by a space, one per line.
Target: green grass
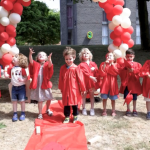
pixel 2 125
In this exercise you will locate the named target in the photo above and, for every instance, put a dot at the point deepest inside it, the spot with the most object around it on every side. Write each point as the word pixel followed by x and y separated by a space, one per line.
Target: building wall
pixel 89 18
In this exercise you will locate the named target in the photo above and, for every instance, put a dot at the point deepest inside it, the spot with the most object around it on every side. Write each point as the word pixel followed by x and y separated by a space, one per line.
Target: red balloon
pixel 130 43
pixel 113 35
pixel 109 16
pixel 111 1
pixel 10 29
pixel 26 4
pixel 1 43
pixel 13 35
pixel 108 8
pixel 117 41
pixel 18 8
pixel 2 28
pixel 1 3
pixel 130 30
pixel 4 36
pixel 12 1
pixel 117 10
pixel 119 2
pixel 118 30
pixel 11 41
pixel 125 36
pixel 102 5
pixel 8 5
pixel 7 58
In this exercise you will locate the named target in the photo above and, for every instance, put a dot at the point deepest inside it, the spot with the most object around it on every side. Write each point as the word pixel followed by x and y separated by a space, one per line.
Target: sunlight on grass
pixel 2 125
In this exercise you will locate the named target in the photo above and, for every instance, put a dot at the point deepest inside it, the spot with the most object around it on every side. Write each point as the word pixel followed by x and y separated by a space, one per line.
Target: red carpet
pixel 55 135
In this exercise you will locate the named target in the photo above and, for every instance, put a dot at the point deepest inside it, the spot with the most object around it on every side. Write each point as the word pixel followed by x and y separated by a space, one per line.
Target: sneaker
pixel 22 117
pixel 148 116
pixel 113 114
pixel 128 113
pixel 75 118
pixel 49 112
pixel 84 112
pixel 14 118
pixel 135 113
pixel 104 114
pixel 67 119
pixel 92 112
pixel 40 116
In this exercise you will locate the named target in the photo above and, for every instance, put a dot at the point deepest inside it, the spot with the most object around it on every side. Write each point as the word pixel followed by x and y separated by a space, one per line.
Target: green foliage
pixel 39 25
pixel 2 125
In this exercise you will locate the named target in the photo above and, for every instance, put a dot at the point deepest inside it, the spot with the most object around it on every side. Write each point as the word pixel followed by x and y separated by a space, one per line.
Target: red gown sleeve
pixel 50 72
pixel 145 69
pixel 102 72
pixel 137 70
pixel 60 84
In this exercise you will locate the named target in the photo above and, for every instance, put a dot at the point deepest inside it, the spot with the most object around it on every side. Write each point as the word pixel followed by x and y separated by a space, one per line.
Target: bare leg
pixel 113 105
pixel 14 106
pixel 134 105
pixel 48 104
pixel 83 100
pixel 92 99
pixel 104 105
pixel 22 106
pixel 128 107
pixel 148 106
pixel 40 104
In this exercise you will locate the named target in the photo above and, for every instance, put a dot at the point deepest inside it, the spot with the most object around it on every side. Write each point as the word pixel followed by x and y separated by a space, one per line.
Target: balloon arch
pixel 120 24
pixel 11 11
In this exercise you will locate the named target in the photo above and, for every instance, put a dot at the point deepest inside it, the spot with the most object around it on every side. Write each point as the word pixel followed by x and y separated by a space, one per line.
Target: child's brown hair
pixel 69 51
pixel 23 61
pixel 130 51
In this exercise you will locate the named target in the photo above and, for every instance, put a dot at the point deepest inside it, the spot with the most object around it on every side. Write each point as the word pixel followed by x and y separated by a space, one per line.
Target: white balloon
pixel 126 12
pixel 14 18
pixel 112 47
pixel 3 12
pixel 95 0
pixel 112 26
pixel 126 23
pixel 5 21
pixel 5 48
pixel 26 0
pixel 124 47
pixel 14 51
pixel 117 53
pixel 15 25
pixel 117 20
pixel 97 92
pixel 102 1
pixel 14 46
pixel 1 54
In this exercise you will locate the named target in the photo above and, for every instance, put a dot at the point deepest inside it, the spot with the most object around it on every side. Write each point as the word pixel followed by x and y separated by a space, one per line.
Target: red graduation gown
pixel 87 72
pixel 146 80
pixel 71 85
pixel 47 74
pixel 131 79
pixel 109 82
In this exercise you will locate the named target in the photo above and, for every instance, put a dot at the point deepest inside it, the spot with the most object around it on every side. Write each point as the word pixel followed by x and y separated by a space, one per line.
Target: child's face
pixel 130 57
pixel 86 55
pixel 110 57
pixel 42 57
pixel 15 60
pixel 69 60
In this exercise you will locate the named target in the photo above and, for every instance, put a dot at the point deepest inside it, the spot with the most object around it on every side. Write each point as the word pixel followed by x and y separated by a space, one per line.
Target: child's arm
pixel 30 55
pixel 50 60
pixel 145 70
pixel 6 72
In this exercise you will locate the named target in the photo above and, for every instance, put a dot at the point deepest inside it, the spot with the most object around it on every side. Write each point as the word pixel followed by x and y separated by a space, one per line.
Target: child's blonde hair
pixel 69 51
pixel 23 60
pixel 85 50
pixel 111 53
pixel 36 57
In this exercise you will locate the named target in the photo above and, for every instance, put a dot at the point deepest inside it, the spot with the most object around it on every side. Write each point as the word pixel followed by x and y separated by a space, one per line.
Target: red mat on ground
pixel 55 135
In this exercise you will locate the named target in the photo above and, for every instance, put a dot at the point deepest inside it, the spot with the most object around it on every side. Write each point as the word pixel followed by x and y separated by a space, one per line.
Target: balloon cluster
pixel 10 16
pixel 120 24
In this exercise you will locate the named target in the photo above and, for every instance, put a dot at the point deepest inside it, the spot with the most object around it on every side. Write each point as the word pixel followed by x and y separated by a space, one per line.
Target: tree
pixel 38 25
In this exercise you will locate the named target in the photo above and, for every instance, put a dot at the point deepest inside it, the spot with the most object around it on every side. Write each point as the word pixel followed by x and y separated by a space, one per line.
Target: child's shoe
pixel 92 112
pixel 104 114
pixel 135 113
pixel 128 113
pixel 84 112
pixel 67 119
pixel 40 116
pixel 15 117
pixel 113 114
pixel 22 117
pixel 75 118
pixel 148 116
pixel 49 112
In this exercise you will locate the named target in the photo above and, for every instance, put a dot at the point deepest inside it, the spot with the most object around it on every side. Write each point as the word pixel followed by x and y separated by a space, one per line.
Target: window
pixel 104 17
pixel 124 6
pixel 138 37
pixel 70 16
pixel 69 37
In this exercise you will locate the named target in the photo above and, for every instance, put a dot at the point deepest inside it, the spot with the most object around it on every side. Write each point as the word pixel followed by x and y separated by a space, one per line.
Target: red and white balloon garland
pixel 120 25
pixel 10 16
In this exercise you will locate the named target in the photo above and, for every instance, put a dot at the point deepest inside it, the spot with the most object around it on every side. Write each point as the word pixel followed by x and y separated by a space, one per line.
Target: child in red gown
pixel 70 84
pixel 130 80
pixel 145 73
pixel 89 69
pixel 109 88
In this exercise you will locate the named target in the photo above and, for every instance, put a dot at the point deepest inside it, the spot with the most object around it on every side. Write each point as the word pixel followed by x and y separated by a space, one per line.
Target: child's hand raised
pixel 93 78
pixel 49 57
pixel 50 60
pixel 31 51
